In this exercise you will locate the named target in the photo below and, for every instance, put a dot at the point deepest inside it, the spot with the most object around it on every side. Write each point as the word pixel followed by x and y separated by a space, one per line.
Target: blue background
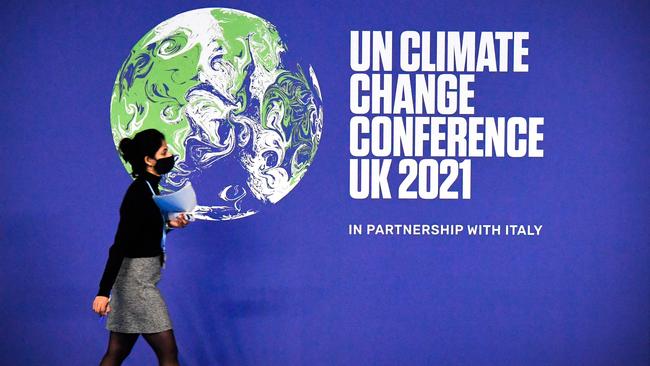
pixel 288 286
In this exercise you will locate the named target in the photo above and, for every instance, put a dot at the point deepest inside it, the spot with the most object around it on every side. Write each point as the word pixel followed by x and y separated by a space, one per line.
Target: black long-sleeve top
pixel 139 231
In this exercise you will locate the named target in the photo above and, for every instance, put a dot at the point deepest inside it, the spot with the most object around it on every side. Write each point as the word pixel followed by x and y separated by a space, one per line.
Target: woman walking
pixel 127 291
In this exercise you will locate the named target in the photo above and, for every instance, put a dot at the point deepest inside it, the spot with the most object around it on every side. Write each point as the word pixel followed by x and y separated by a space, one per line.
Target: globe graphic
pixel 244 125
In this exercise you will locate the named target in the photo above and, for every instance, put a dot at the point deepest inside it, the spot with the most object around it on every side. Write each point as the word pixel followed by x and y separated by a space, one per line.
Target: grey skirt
pixel 136 303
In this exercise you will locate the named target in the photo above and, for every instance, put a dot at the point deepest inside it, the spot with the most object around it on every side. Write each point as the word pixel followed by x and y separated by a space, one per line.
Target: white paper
pixel 183 200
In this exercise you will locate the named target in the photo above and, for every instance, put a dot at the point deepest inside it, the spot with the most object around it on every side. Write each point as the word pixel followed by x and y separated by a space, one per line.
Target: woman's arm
pixel 129 215
pixel 112 268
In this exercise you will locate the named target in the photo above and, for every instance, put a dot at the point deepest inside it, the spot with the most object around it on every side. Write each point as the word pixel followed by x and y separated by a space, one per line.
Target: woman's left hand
pixel 179 222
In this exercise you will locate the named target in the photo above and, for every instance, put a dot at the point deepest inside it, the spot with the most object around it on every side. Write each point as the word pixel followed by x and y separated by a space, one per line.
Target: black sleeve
pixel 129 216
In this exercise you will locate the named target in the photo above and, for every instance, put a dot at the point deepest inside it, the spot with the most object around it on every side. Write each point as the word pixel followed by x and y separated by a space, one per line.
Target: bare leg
pixel 164 344
pixel 119 346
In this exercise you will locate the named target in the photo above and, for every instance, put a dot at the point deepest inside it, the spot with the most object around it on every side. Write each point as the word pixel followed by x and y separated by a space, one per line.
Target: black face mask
pixel 165 165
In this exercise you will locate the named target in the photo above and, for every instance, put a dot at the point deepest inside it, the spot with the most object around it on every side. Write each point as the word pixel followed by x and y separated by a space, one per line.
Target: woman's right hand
pixel 101 306
pixel 179 222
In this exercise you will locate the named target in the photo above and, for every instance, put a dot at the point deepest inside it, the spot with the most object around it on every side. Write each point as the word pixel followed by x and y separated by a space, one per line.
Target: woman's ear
pixel 149 161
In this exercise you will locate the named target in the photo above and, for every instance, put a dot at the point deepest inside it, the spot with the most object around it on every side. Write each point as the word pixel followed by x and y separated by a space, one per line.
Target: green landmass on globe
pixel 213 81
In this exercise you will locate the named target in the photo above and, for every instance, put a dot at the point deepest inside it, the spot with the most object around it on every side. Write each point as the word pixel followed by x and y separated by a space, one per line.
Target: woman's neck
pixel 152 171
pixel 150 177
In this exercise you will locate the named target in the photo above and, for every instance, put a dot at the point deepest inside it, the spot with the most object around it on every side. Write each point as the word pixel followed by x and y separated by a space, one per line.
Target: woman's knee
pixel 120 345
pixel 119 351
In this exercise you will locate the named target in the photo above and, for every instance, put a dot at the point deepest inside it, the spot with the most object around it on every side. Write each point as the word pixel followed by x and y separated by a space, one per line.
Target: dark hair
pixel 144 143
